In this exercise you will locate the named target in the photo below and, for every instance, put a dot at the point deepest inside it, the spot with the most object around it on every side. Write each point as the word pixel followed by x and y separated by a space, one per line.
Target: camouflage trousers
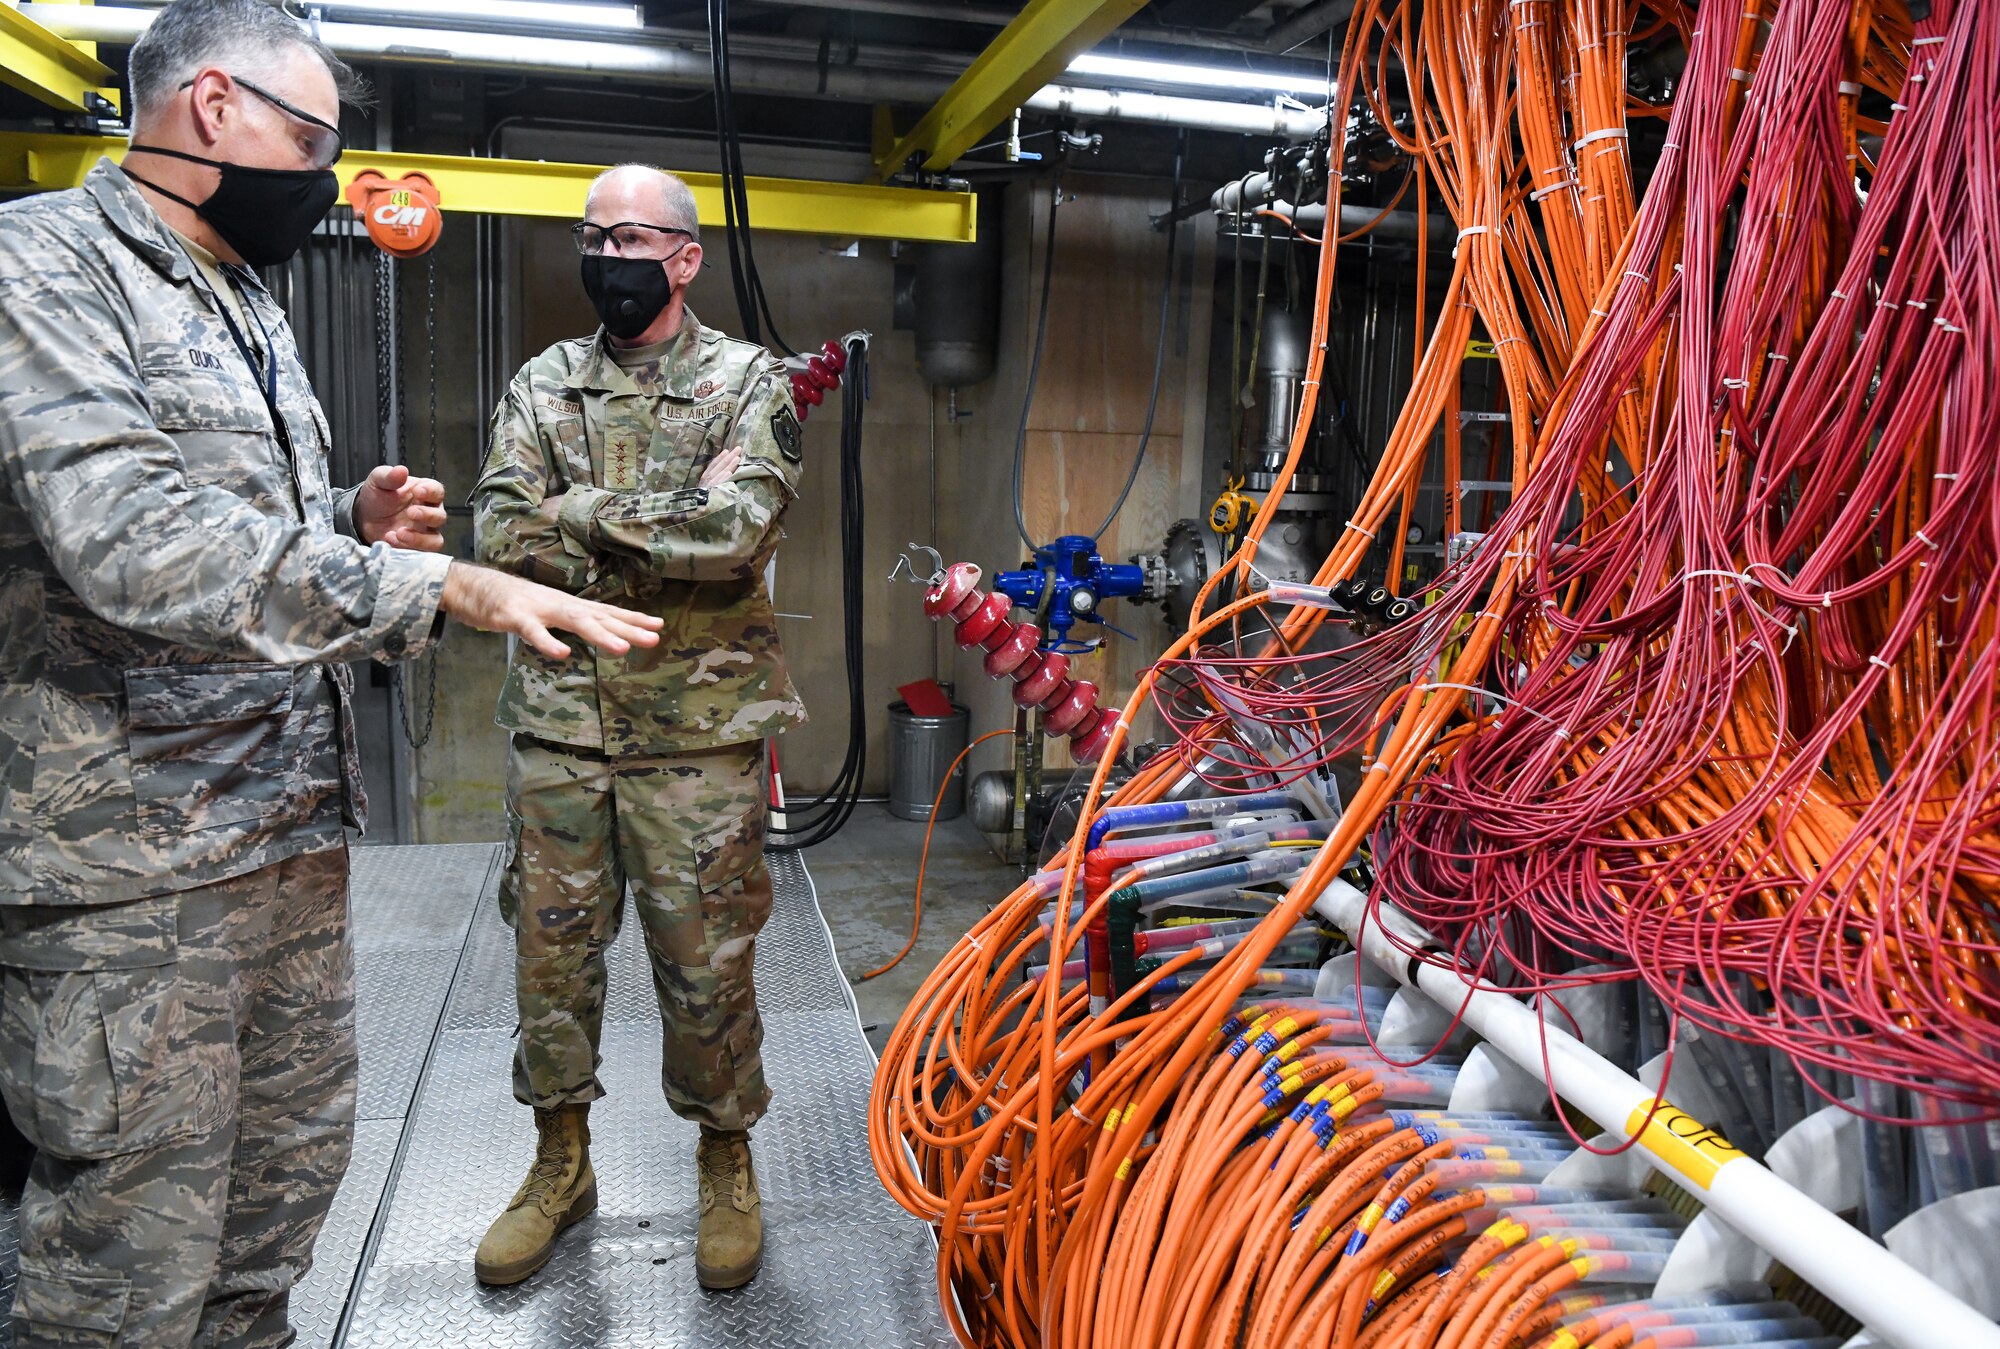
pixel 686 833
pixel 185 1069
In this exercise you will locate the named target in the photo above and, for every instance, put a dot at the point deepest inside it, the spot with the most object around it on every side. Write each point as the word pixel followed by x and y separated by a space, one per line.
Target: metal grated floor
pixel 441 1145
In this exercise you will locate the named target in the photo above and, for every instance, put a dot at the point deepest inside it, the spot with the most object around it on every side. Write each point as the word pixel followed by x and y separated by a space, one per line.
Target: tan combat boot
pixel 729 1244
pixel 561 1189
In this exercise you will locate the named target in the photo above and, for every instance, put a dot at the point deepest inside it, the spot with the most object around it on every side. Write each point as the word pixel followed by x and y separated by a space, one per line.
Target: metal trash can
pixel 921 750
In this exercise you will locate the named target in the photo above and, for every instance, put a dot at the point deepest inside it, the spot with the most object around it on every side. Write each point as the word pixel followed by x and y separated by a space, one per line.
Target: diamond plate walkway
pixel 441 1144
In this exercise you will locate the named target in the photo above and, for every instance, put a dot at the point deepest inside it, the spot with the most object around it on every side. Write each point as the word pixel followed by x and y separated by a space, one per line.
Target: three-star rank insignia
pixel 785 429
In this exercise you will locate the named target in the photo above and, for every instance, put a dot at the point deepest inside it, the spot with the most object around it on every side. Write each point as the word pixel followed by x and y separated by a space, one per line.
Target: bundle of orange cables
pixel 1712 706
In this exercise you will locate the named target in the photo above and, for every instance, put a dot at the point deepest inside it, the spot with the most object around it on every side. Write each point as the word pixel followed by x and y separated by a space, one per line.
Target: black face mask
pixel 628 293
pixel 265 215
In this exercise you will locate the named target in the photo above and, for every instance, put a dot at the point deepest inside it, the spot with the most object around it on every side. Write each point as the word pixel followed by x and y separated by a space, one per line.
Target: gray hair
pixel 246 37
pixel 677 205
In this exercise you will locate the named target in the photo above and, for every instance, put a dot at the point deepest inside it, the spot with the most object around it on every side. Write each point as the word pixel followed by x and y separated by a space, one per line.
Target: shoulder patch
pixel 785 429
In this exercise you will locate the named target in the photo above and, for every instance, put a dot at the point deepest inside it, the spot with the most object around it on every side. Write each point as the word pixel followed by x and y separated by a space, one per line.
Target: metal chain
pixel 387 407
pixel 431 359
pixel 385 386
pixel 417 738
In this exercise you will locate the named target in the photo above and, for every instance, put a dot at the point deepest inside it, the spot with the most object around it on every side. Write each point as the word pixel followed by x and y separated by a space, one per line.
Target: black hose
pixel 825 815
pixel 753 307
pixel 1034 371
pixel 1160 350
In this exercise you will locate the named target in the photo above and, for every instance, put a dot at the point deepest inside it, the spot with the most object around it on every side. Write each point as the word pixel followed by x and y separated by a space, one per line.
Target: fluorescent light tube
pixel 1151 74
pixel 546 13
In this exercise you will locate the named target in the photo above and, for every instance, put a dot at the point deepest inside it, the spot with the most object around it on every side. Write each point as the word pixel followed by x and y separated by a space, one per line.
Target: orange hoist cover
pixel 402 216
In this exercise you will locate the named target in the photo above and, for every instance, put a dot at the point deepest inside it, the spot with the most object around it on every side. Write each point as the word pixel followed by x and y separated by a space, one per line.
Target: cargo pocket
pixel 735 891
pixel 96 1054
pixel 722 1067
pixel 54 1304
pixel 209 745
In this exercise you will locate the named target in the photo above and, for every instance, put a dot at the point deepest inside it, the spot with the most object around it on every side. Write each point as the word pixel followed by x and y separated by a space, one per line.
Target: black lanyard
pixel 267 377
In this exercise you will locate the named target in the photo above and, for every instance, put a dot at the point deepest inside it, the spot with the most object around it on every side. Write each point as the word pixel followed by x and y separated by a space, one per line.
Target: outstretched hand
pixel 493 601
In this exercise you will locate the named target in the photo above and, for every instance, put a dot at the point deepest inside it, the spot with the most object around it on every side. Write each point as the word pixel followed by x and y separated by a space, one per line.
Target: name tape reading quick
pixel 1682 1142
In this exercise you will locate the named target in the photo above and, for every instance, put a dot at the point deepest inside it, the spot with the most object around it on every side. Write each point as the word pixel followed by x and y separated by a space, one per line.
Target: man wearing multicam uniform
pixel 178 583
pixel 649 465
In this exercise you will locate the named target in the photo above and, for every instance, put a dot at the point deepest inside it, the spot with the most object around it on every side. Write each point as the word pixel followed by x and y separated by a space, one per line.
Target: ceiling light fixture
pixel 538 13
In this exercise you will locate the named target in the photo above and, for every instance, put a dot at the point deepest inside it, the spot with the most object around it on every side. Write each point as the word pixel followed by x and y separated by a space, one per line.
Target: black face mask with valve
pixel 265 215
pixel 627 293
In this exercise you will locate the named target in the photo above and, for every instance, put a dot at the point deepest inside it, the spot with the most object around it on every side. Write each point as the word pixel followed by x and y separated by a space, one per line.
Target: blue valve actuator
pixel 1082 581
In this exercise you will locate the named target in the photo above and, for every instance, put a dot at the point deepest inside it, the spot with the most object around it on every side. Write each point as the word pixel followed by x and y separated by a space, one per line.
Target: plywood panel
pixel 1104 312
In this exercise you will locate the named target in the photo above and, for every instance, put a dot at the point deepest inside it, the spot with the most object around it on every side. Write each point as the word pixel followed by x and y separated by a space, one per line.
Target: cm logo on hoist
pixel 401 215
pixel 398 213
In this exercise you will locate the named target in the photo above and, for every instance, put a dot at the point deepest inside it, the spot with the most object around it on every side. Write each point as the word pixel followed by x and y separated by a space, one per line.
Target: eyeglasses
pixel 631 236
pixel 322 139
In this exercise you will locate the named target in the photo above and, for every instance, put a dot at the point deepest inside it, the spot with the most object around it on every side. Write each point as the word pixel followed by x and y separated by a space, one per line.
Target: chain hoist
pixel 417 724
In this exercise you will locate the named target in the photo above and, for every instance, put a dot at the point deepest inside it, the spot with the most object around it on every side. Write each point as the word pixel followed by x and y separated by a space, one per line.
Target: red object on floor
pixel 926 698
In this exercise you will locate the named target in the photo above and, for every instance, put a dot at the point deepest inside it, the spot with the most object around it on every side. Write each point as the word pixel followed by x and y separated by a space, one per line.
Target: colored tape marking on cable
pixel 1682 1141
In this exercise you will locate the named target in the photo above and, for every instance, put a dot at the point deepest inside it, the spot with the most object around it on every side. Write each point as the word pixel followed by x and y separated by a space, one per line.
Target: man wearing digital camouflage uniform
pixel 179 585
pixel 648 465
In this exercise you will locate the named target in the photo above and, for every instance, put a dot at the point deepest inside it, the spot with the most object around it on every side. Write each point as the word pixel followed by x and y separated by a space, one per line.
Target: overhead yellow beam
pixel 1029 52
pixel 56 71
pixel 526 187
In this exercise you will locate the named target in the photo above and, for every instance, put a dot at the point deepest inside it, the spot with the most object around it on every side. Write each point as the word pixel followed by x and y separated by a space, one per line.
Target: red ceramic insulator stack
pixel 820 377
pixel 1041 678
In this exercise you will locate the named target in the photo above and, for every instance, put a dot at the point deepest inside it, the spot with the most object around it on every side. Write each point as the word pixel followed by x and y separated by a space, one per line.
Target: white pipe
pixel 652 63
pixel 1895 1301
pixel 655 62
pixel 1249 119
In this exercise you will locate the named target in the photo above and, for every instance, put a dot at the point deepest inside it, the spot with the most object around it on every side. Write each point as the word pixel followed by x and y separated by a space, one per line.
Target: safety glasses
pixel 322 139
pixel 632 237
